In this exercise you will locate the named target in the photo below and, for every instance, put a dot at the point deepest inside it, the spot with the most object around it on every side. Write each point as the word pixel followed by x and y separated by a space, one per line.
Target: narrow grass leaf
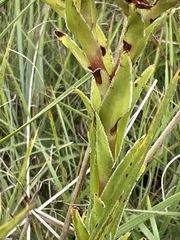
pixel 21 184
pixel 52 104
pixel 153 221
pixel 2 78
pixel 133 223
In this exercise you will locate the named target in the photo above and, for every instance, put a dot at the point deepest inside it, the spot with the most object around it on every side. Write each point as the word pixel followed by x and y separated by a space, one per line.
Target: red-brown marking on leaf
pixel 114 129
pixel 103 51
pixel 126 46
pixel 97 76
pixel 94 121
pixel 114 71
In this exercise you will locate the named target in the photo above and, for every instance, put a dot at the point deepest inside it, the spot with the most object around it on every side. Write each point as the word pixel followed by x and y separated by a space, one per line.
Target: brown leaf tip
pixel 59 34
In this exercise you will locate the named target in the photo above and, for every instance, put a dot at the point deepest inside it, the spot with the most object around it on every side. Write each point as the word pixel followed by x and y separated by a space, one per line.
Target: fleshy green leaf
pixel 98 207
pixel 78 26
pixel 86 101
pixel 159 8
pixel 157 22
pixel 105 49
pixel 94 176
pixel 74 48
pixel 140 83
pixel 123 5
pixel 118 99
pixel 116 194
pixel 88 11
pixel 95 96
pixel 57 5
pixel 135 32
pixel 137 89
pixel 104 156
pixel 103 83
pixel 79 226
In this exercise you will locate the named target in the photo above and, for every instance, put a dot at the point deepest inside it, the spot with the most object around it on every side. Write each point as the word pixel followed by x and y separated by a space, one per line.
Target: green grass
pixel 43 124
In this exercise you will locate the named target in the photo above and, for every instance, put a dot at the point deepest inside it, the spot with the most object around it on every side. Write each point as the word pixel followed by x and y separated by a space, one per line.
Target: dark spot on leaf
pixel 97 76
pixel 152 20
pixel 96 225
pixel 59 34
pixel 94 121
pixel 124 200
pixel 113 130
pixel 135 84
pixel 127 175
pixel 126 46
pixel 103 50
pixel 130 163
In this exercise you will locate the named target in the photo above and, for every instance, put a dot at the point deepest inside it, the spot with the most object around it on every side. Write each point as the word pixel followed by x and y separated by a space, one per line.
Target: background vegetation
pixel 45 156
